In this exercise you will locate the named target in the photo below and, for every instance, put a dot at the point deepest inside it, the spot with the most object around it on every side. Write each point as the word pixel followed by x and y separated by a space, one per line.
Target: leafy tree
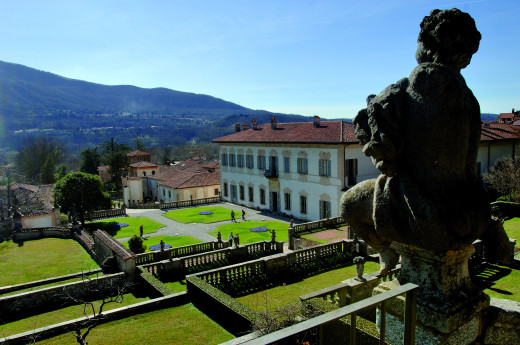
pixel 33 154
pixel 61 172
pixel 115 157
pixel 504 178
pixel 47 175
pixel 82 190
pixel 136 244
pixel 90 161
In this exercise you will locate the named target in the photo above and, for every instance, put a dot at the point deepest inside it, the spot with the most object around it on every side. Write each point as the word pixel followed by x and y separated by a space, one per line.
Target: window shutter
pixel 321 209
pixel 355 167
pixel 305 167
pixel 321 167
pixel 271 201
pixel 328 209
pixel 328 168
pixel 276 164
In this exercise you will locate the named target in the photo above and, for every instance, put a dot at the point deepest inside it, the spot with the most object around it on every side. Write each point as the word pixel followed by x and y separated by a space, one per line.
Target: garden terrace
pixel 155 256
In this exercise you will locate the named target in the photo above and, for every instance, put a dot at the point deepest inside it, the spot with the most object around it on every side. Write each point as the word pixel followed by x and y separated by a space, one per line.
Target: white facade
pixel 309 194
pixel 491 151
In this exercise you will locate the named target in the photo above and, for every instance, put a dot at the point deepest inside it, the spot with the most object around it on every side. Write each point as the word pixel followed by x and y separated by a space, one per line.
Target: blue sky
pixel 300 57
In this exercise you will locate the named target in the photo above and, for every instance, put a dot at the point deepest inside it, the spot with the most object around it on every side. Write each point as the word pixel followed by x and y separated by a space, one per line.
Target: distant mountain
pixel 488 117
pixel 32 91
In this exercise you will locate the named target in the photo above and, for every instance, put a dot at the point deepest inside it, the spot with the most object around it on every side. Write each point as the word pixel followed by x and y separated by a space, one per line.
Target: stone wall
pixel 37 233
pixel 19 306
pixel 105 246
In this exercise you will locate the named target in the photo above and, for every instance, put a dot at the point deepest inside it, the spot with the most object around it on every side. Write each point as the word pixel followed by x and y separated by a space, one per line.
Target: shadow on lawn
pixel 109 227
pixel 487 274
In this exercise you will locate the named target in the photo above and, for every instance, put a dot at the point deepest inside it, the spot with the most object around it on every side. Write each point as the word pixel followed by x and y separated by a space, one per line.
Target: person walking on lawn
pixel 233 216
pixel 231 238
pixel 243 215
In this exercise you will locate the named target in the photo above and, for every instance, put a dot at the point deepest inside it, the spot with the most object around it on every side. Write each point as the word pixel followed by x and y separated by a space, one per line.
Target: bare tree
pixel 110 291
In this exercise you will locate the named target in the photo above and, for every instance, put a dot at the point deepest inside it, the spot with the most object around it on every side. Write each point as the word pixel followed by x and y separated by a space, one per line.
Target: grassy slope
pixel 40 259
pixel 191 215
pixel 286 293
pixel 246 236
pixel 175 241
pixel 60 315
pixel 181 325
pixel 512 227
pixel 149 226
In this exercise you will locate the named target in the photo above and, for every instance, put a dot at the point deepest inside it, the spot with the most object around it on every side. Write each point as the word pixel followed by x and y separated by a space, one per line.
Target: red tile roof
pixel 143 164
pixel 189 179
pixel 506 116
pixel 492 131
pixel 329 132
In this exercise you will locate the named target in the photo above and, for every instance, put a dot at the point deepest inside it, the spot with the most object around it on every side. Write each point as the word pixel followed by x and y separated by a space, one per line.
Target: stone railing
pixel 274 264
pixel 310 227
pixel 196 263
pixel 351 290
pixel 113 213
pixel 192 202
pixel 36 233
pixel 146 258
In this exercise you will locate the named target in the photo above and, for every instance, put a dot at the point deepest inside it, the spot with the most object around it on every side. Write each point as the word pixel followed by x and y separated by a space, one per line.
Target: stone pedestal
pixel 448 304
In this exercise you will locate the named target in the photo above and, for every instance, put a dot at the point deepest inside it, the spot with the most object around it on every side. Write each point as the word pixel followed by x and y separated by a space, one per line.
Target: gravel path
pixel 197 230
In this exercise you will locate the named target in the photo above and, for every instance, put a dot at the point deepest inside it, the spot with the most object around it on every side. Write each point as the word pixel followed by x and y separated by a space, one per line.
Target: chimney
pixel 237 127
pixel 273 122
pixel 316 123
pixel 253 123
pixel 245 126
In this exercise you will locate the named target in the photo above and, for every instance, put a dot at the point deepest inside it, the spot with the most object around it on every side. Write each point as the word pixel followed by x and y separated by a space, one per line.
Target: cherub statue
pixel 423 134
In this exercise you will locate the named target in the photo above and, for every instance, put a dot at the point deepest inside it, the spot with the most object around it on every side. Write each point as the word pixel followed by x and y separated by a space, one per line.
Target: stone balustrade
pixel 193 249
pixel 308 228
pixel 113 213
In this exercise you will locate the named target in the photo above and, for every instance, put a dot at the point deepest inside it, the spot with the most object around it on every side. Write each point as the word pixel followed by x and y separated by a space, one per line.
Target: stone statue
pixel 423 134
pixel 359 261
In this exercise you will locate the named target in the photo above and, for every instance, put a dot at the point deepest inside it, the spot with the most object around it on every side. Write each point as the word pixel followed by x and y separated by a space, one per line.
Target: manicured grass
pixel 289 292
pixel 178 286
pixel 499 282
pixel 175 241
pixel 191 215
pixel 180 325
pixel 41 259
pixel 341 234
pixel 512 227
pixel 149 226
pixel 60 315
pixel 246 236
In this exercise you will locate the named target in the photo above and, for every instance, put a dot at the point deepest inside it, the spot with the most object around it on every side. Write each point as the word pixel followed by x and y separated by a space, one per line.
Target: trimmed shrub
pixel 136 244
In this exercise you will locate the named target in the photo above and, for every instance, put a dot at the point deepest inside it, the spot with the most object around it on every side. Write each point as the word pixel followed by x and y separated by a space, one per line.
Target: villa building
pixel 302 169
pixel 297 169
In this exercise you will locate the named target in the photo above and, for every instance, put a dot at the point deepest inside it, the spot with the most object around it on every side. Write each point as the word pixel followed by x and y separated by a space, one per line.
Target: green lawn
pixel 180 325
pixel 246 236
pixel 512 227
pixel 60 315
pixel 500 282
pixel 191 215
pixel 41 259
pixel 49 285
pixel 178 286
pixel 289 292
pixel 175 241
pixel 149 226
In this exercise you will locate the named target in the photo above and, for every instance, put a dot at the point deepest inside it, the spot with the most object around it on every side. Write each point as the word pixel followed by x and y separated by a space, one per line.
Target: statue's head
pixel 448 37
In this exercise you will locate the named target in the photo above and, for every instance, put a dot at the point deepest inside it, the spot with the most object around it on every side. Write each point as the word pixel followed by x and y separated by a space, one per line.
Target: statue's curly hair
pixel 448 37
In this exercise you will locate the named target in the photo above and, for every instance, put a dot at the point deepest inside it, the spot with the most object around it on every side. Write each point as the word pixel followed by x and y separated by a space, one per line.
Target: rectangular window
pixel 224 159
pixel 241 190
pixel 302 165
pixel 251 195
pixel 303 204
pixel 169 194
pixel 286 164
pixel 249 162
pixel 324 167
pixel 225 189
pixel 324 209
pixel 351 171
pixel 233 192
pixel 240 161
pixel 262 196
pixel 232 161
pixel 273 163
pixel 261 163
pixel 216 191
pixel 287 198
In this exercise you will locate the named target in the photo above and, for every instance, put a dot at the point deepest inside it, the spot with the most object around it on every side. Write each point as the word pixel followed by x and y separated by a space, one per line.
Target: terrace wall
pixel 105 246
pixel 38 233
pixel 21 305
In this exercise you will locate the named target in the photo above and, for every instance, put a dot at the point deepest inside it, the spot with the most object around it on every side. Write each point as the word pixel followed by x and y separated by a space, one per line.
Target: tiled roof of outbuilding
pixel 492 131
pixel 329 132
pixel 143 164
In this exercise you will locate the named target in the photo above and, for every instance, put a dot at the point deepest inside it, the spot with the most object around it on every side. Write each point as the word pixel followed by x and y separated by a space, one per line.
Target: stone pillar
pixel 449 306
pixel 291 238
